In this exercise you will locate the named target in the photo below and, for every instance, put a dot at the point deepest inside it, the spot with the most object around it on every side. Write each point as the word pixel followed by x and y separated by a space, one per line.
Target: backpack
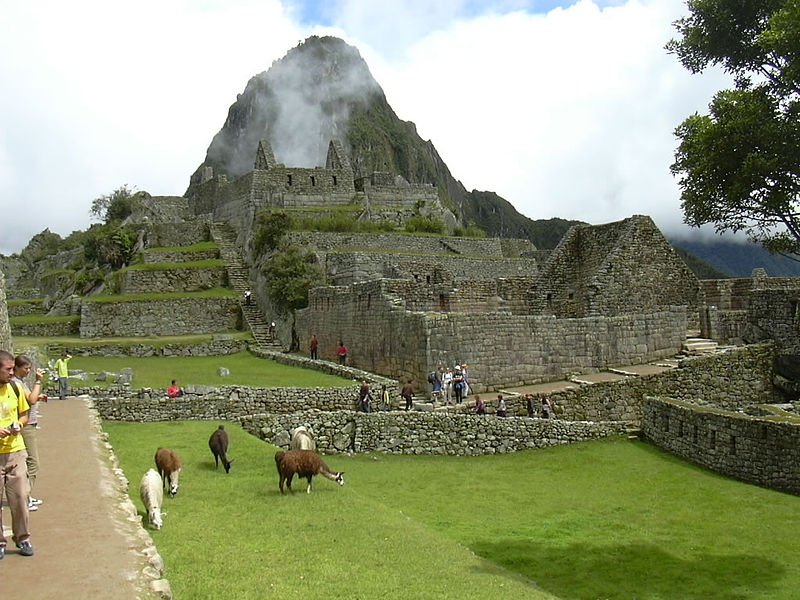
pixel 432 377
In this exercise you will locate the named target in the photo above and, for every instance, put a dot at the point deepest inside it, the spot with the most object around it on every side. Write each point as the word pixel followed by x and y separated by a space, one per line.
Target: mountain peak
pixel 301 103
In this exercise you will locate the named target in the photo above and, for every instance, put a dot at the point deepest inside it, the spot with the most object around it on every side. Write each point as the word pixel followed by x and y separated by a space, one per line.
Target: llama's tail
pixel 278 458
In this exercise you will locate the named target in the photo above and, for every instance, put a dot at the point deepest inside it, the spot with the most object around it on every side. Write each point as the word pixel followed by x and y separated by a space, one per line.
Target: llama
pixel 218 443
pixel 169 467
pixel 302 439
pixel 303 463
pixel 152 497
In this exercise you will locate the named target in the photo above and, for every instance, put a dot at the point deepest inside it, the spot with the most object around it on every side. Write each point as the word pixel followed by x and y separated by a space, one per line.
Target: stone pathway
pixel 89 544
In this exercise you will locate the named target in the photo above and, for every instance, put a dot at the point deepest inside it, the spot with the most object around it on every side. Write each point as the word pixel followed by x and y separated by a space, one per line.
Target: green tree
pixel 739 166
pixel 272 227
pixel 109 245
pixel 290 274
pixel 113 207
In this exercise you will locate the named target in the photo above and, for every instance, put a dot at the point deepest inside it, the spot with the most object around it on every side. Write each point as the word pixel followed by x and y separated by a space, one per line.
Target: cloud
pixel 563 111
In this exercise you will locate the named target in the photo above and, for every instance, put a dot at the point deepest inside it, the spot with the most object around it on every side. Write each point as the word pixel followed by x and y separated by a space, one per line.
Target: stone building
pixel 614 269
pixel 5 328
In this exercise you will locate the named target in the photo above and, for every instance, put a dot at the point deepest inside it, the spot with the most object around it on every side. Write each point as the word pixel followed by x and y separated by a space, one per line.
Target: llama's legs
pixel 308 489
pixel 289 482
pixel 280 483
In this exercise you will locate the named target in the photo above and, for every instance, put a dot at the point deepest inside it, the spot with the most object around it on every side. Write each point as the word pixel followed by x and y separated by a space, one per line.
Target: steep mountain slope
pixel 323 89
pixel 738 259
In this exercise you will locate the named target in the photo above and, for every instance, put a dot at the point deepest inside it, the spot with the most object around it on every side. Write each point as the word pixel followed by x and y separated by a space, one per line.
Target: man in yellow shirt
pixel 63 375
pixel 13 469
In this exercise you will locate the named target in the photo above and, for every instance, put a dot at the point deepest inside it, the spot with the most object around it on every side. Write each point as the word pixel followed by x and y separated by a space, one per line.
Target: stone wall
pixel 328 241
pixel 351 267
pixel 170 235
pixel 167 256
pixel 55 327
pixel 176 278
pixel 173 316
pixel 219 345
pixel 773 313
pixel 384 336
pixel 20 308
pixel 271 413
pixel 5 327
pixel 723 326
pixel 425 433
pixel 759 450
pixel 733 380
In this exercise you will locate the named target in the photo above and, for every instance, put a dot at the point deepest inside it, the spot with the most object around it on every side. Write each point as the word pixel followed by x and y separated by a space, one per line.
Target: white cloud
pixel 568 113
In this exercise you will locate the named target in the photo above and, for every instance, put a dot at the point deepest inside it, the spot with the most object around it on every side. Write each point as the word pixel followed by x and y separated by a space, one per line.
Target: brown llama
pixel 169 467
pixel 218 443
pixel 303 463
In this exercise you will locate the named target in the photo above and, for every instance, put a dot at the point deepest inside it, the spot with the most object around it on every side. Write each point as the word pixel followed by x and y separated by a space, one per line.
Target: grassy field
pixel 245 369
pixel 602 520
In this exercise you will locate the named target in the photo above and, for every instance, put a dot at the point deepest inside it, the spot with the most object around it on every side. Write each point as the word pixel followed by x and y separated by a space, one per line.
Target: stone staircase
pixel 698 345
pixel 239 279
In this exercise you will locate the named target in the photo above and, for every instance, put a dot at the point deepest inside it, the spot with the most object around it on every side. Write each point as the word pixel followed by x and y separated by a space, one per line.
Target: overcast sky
pixel 563 108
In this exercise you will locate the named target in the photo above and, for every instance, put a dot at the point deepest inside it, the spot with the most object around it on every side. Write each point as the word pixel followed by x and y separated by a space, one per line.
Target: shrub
pixel 424 225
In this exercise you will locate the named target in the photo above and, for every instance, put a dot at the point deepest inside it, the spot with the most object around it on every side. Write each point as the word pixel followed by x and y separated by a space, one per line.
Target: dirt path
pixel 87 544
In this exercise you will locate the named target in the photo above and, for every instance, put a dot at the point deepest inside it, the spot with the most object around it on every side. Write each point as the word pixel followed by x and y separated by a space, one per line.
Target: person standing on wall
pixel 22 368
pixel 313 347
pixel 407 393
pixel 501 406
pixel 62 369
pixel 385 402
pixel 13 468
pixel 341 352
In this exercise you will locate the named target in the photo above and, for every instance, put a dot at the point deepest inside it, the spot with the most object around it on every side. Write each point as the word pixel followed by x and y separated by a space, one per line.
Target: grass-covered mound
pixel 613 519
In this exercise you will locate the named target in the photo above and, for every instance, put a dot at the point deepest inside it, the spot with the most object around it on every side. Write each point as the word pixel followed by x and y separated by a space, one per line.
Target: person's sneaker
pixel 25 548
pixel 32 507
pixel 2 552
pixel 35 501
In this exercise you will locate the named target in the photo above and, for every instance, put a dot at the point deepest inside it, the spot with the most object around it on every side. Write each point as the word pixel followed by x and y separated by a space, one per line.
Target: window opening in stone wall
pixel 289 179
pixel 712 438
pixel 680 428
pixel 796 314
pixel 313 181
pixel 549 300
pixel 571 295
pixel 334 180
pixel 694 434
pixel 369 301
pixel 428 279
pixel 665 423
pixel 764 431
pixel 444 303
pixel 733 445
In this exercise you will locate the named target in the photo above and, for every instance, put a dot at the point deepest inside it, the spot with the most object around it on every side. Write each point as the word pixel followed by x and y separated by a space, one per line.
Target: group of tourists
pixel 19 456
pixel 449 385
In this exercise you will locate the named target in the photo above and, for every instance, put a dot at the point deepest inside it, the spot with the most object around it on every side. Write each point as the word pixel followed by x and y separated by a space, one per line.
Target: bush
pixel 424 225
pixel 272 228
pixel 290 274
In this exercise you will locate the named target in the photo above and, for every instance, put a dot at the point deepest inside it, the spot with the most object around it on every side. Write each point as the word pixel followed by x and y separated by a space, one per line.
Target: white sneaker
pixel 35 501
pixel 32 507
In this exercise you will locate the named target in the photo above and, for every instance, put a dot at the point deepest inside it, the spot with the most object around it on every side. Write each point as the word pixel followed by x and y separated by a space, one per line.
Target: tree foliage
pixel 739 166
pixel 272 228
pixel 110 245
pixel 290 274
pixel 113 207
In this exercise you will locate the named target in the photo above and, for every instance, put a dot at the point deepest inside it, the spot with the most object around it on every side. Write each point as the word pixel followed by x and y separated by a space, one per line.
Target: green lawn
pixel 245 369
pixel 611 520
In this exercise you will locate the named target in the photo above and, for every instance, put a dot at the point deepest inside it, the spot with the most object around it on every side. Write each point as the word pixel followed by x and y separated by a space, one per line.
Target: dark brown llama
pixel 218 443
pixel 303 463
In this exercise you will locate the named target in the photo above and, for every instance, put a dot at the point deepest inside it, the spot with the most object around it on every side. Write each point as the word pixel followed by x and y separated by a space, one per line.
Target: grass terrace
pixel 199 247
pixel 211 263
pixel 613 520
pixel 245 369
pixel 212 293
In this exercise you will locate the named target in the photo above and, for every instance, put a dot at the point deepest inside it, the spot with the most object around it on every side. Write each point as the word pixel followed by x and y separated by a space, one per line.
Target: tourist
pixel 272 330
pixel 501 406
pixel 14 411
pixel 174 390
pixel 458 384
pixel 341 352
pixel 547 408
pixel 480 406
pixel 22 368
pixel 365 398
pixel 530 405
pixel 62 370
pixel 247 296
pixel 313 347
pixel 385 402
pixel 407 393
pixel 466 389
pixel 436 384
pixel 447 384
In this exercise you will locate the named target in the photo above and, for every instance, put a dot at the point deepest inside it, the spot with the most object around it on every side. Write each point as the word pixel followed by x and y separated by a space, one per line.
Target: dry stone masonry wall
pixel 758 450
pixel 173 316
